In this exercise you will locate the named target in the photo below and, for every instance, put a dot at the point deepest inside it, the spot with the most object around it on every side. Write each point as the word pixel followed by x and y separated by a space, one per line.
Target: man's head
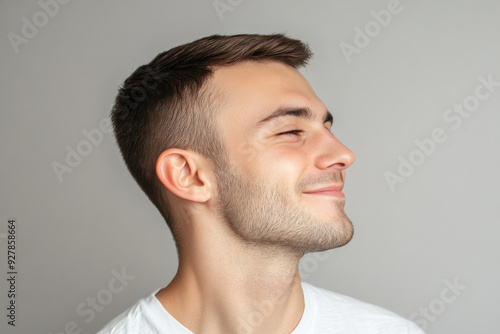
pixel 213 98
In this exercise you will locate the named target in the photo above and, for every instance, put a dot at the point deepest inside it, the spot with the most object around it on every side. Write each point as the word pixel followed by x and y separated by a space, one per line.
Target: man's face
pixel 280 153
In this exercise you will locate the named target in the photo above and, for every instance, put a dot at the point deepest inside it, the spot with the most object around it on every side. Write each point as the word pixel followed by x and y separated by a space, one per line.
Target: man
pixel 234 148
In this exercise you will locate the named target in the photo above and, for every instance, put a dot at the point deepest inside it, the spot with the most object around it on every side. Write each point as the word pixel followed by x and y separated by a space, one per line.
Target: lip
pixel 335 191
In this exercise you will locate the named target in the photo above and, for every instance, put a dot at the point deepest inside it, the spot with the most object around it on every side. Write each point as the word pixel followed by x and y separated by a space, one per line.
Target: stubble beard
pixel 260 212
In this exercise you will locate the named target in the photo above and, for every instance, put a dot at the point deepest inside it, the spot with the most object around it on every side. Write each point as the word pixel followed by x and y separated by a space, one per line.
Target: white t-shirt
pixel 325 312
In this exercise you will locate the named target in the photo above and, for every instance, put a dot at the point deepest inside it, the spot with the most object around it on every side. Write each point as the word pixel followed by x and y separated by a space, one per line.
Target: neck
pixel 234 287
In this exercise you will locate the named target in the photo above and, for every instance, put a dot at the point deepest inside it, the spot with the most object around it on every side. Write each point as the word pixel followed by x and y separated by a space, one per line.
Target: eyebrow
pixel 296 112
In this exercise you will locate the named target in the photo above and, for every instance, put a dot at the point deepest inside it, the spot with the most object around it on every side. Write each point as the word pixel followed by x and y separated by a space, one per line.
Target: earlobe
pixel 180 172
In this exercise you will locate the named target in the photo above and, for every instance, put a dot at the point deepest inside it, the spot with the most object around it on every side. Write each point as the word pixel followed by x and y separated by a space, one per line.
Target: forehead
pixel 253 90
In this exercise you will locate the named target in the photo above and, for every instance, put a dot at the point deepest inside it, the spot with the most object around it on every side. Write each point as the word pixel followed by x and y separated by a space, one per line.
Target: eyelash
pixel 295 132
pixel 292 132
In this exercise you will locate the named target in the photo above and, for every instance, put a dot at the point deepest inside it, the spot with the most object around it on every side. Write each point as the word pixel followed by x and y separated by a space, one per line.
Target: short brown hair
pixel 166 103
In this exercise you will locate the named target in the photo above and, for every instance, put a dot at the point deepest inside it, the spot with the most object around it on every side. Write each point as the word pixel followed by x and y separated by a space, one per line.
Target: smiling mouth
pixel 334 191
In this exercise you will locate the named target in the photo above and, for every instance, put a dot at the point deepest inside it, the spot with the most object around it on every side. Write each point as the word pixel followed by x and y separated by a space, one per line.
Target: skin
pixel 247 223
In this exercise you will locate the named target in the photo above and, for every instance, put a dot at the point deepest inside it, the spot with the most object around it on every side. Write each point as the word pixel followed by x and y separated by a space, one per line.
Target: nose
pixel 333 154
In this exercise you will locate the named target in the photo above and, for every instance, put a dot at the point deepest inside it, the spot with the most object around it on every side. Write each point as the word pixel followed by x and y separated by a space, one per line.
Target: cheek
pixel 246 153
pixel 284 164
pixel 241 151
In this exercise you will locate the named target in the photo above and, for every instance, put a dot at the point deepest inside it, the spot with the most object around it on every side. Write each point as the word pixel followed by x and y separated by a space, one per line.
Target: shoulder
pixel 146 316
pixel 354 316
pixel 130 321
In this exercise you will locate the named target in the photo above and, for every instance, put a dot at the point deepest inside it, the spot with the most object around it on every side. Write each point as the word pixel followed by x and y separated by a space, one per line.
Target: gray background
pixel 441 224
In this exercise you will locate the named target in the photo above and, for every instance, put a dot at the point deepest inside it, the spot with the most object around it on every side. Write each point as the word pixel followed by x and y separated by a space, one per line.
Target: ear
pixel 185 173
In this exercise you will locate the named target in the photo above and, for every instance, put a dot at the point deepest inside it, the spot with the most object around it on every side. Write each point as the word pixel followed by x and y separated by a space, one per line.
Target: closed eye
pixel 292 132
